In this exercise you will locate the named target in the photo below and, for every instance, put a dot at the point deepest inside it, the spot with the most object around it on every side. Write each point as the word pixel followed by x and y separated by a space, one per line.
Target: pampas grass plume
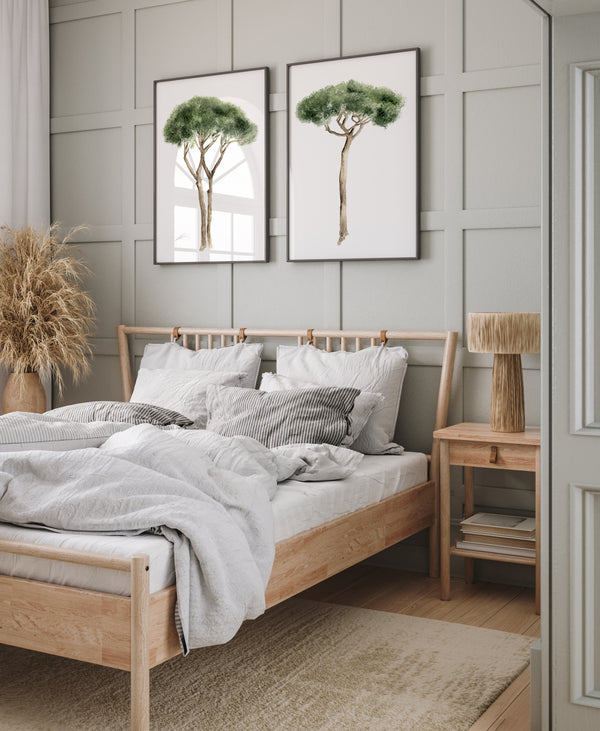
pixel 45 317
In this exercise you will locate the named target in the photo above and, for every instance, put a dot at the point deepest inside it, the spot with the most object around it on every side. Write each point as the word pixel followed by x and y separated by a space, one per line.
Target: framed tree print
pixel 211 168
pixel 353 158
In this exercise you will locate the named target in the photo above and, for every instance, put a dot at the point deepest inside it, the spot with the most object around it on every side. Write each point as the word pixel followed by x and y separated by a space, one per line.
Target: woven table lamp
pixel 506 335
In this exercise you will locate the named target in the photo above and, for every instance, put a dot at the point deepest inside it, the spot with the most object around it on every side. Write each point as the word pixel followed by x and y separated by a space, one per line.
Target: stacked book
pixel 495 533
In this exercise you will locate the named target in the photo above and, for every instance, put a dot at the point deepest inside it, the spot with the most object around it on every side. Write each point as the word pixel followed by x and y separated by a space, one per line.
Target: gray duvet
pixel 207 494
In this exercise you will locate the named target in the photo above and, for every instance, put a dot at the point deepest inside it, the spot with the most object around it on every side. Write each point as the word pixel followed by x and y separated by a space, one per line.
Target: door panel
pixel 575 372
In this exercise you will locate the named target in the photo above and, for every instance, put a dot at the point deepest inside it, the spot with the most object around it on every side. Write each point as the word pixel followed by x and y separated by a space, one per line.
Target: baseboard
pixel 535 687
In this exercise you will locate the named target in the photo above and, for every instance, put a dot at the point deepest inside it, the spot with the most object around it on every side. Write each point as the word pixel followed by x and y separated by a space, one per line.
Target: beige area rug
pixel 303 665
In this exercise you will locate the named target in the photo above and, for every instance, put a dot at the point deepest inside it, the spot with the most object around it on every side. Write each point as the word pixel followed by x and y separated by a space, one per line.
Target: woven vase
pixel 24 395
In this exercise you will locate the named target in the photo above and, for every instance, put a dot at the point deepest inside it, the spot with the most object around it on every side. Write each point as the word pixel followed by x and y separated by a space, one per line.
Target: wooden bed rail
pixel 218 337
pixel 85 558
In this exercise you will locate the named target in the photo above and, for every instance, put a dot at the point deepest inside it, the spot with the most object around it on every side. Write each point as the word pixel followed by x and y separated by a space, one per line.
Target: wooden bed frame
pixel 137 632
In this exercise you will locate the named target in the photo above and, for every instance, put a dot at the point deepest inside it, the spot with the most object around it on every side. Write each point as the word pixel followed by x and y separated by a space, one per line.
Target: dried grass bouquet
pixel 45 317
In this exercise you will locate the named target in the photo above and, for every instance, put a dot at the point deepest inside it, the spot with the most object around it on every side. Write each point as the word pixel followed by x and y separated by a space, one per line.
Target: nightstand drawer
pixel 501 456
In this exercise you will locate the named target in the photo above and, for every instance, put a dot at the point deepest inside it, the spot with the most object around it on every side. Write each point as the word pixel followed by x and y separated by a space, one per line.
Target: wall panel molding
pixel 585 218
pixel 83 122
pixel 585 594
pixel 278 102
pixel 94 8
pixel 250 33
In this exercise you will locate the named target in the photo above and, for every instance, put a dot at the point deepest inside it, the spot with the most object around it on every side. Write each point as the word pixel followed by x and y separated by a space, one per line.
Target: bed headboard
pixel 198 337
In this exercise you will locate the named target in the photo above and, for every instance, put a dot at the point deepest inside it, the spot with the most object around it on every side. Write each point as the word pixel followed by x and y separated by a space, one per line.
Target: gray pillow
pixel 302 416
pixel 364 405
pixel 122 411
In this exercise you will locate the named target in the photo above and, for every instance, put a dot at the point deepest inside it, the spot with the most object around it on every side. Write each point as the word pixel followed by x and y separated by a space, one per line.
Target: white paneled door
pixel 573 282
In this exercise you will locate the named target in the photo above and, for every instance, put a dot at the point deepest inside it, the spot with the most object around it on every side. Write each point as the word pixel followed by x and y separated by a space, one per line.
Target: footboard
pixel 92 626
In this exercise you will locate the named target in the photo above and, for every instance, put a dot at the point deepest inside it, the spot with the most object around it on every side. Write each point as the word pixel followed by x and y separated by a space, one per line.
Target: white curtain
pixel 24 115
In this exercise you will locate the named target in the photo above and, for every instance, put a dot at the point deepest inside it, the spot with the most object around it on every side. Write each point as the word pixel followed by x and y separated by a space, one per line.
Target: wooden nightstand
pixel 476 445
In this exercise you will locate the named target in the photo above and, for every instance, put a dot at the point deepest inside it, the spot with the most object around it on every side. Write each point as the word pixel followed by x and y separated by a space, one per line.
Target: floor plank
pixel 503 703
pixel 352 588
pixel 493 606
pixel 516 615
pixel 516 717
pixel 388 591
pixel 469 604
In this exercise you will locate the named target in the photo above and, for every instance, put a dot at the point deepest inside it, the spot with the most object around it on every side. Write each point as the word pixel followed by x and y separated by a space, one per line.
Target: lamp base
pixel 507 407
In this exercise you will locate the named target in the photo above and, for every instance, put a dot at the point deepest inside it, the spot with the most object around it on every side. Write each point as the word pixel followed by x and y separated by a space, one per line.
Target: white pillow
pixel 181 390
pixel 238 358
pixel 364 404
pixel 378 369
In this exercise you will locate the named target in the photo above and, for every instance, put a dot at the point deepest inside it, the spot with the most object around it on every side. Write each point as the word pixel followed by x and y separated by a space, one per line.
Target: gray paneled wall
pixel 480 169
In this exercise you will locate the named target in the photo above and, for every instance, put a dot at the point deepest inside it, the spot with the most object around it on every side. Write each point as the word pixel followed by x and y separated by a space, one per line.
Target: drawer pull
pixel 493 455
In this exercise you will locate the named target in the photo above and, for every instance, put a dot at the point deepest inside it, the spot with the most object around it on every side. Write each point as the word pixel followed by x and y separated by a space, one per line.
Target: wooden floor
pixel 511 609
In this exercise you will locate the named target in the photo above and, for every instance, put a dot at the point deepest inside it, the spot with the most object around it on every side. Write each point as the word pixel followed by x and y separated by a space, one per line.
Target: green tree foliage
pixel 207 124
pixel 344 110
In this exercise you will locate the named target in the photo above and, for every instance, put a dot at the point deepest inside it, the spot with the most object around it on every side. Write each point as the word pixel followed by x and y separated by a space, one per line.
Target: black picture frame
pixel 385 223
pixel 234 226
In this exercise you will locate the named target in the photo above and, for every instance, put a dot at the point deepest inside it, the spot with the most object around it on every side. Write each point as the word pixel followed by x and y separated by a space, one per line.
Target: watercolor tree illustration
pixel 344 110
pixel 209 126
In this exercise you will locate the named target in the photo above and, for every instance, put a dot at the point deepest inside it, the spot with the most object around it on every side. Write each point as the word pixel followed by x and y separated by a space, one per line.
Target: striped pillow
pixel 303 416
pixel 20 431
pixel 364 405
pixel 122 411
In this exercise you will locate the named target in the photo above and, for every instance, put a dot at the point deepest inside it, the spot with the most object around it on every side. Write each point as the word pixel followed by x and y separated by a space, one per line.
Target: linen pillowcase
pixel 120 411
pixel 378 369
pixel 21 431
pixel 238 358
pixel 181 390
pixel 364 405
pixel 311 415
pixel 320 462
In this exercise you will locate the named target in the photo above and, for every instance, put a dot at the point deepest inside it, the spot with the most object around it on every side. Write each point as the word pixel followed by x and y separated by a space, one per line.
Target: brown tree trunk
pixel 342 182
pixel 210 175
pixel 209 201
pixel 202 202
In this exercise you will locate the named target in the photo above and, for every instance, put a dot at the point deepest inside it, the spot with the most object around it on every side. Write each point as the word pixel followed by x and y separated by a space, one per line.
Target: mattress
pixel 297 507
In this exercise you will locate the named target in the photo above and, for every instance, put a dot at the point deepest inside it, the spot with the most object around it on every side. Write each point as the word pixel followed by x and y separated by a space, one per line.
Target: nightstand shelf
pixel 476 445
pixel 489 556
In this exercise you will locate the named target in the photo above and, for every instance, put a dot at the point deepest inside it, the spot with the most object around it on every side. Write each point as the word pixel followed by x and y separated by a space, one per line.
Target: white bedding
pixel 209 499
pixel 298 506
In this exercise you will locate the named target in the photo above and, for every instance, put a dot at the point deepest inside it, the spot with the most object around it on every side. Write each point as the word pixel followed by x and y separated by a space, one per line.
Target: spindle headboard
pixel 200 337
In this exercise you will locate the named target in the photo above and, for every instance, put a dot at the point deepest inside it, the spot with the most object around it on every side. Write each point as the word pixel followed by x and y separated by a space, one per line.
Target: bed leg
pixel 434 550
pixel 140 637
pixel 434 529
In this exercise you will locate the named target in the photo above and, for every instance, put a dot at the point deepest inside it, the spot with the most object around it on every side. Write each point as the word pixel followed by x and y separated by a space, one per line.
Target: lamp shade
pixel 504 332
